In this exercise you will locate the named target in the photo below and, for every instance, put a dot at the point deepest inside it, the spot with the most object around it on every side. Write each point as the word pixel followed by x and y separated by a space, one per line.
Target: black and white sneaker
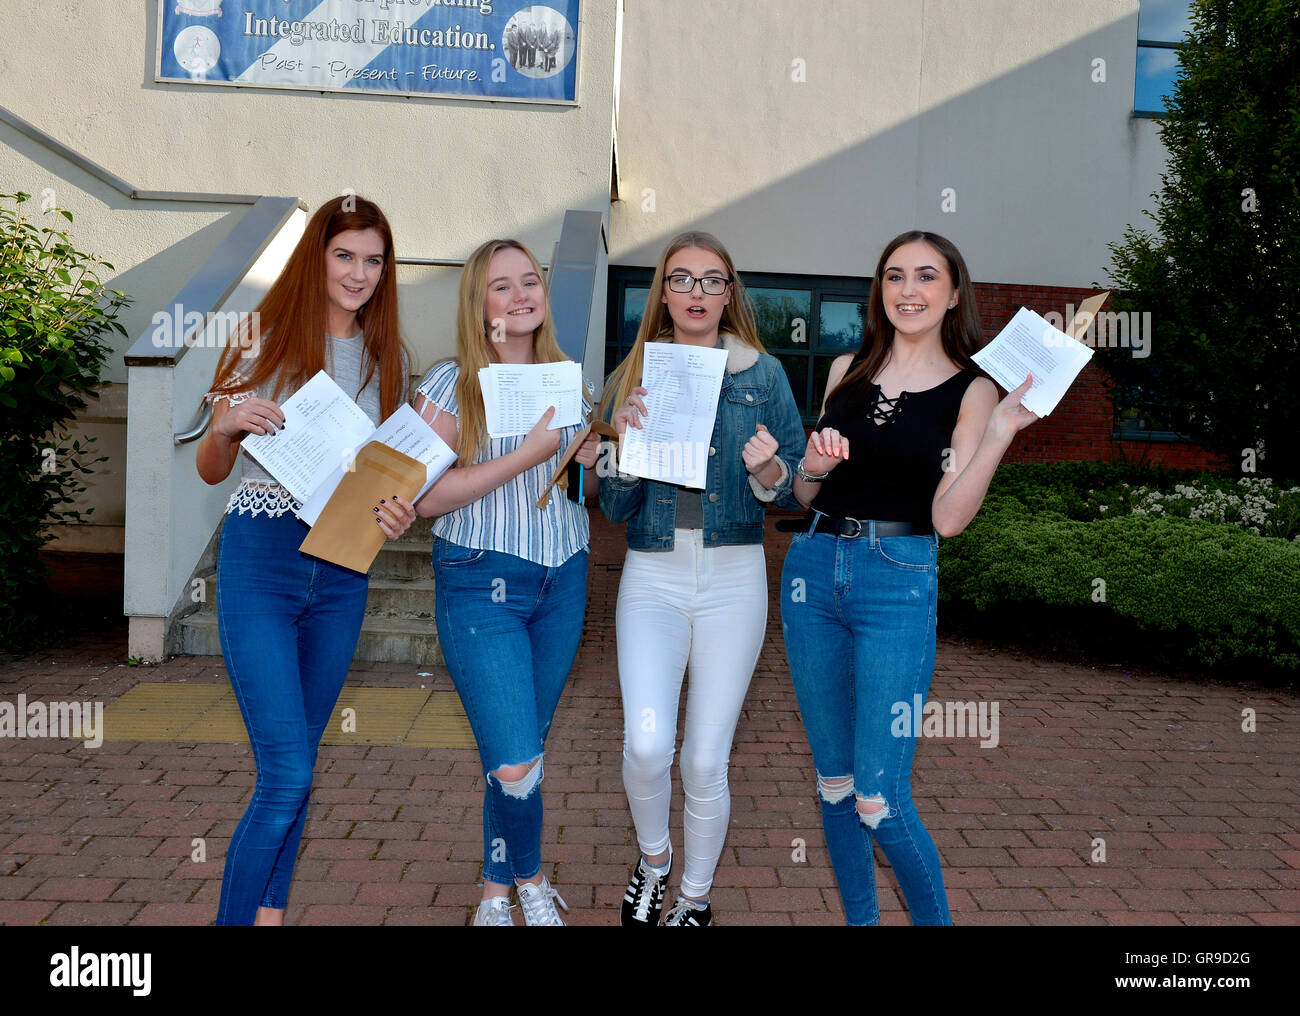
pixel 644 899
pixel 689 913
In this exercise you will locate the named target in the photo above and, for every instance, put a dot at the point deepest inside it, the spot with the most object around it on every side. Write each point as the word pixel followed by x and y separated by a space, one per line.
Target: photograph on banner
pixel 540 42
pixel 473 49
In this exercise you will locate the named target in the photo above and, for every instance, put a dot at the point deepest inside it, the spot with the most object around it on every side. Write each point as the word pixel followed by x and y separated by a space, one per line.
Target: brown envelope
pixel 1082 320
pixel 561 474
pixel 346 533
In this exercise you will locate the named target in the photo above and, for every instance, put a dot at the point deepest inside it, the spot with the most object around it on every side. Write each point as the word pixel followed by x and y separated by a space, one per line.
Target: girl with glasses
pixel 908 440
pixel 511 579
pixel 693 594
pixel 289 623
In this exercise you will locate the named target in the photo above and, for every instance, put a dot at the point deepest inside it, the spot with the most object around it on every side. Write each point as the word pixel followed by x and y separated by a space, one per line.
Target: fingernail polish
pixel 375 510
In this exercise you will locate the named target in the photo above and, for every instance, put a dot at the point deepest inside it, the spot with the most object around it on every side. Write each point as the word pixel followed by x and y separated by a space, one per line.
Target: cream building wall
pixel 449 173
pixel 804 134
pixel 993 99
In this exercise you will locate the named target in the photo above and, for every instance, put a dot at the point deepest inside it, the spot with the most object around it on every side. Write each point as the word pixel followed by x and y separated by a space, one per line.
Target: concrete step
pixel 383 639
pixel 399 625
pixel 403 559
pixel 421 531
pixel 412 598
pixel 409 598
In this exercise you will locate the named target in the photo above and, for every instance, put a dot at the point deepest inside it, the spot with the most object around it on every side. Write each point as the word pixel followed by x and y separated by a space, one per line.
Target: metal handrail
pixel 195 431
pixel 112 179
pixel 220 275
pixel 574 280
pixel 432 262
pixel 446 262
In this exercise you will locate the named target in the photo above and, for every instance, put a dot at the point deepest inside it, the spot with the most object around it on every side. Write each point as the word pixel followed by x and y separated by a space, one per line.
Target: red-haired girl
pixel 289 623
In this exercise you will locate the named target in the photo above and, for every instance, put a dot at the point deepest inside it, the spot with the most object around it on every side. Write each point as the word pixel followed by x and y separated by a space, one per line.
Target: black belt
pixel 817 522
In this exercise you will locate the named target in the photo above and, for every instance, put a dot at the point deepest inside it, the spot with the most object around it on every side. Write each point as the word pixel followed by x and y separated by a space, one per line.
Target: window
pixel 1142 415
pixel 1162 26
pixel 804 321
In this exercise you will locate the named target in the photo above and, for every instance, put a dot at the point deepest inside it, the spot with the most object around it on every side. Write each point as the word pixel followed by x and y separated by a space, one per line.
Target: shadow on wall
pixel 178 263
pixel 1040 169
pixel 164 272
pixel 154 282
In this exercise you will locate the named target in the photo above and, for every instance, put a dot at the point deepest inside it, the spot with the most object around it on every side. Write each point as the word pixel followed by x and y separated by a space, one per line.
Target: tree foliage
pixel 1219 272
pixel 55 319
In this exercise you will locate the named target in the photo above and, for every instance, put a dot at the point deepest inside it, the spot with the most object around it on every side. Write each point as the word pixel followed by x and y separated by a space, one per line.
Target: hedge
pixel 1225 597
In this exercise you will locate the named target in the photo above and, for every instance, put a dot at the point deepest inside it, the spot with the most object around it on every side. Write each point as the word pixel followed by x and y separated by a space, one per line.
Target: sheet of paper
pixel 683 383
pixel 1028 344
pixel 321 424
pixel 515 395
pixel 405 432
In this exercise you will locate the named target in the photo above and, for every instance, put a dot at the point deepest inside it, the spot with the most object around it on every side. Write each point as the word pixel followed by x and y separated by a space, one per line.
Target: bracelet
pixel 803 474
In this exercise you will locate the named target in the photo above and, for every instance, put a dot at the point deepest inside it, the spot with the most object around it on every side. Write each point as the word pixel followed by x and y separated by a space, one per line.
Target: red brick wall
pixel 1081 427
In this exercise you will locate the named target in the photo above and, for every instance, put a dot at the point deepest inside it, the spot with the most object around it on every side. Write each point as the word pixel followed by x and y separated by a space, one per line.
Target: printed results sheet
pixel 683 383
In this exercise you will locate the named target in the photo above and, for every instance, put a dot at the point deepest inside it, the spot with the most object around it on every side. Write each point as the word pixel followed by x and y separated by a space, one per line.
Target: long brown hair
pixel 961 333
pixel 475 350
pixel 657 323
pixel 292 317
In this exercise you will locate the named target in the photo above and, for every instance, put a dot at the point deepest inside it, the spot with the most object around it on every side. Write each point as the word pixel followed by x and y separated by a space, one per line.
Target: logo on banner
pixel 197 49
pixel 199 8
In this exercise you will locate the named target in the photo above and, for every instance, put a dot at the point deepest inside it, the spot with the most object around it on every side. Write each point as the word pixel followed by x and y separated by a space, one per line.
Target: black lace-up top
pixel 896 453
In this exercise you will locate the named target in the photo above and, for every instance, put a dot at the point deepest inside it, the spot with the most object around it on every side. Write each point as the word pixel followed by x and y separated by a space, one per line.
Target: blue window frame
pixel 1162 27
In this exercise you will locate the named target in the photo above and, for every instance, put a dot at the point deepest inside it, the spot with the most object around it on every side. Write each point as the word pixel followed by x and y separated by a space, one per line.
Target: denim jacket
pixel 754 391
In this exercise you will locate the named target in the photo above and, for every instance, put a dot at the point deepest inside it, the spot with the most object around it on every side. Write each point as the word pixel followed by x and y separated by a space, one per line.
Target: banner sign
pixel 474 49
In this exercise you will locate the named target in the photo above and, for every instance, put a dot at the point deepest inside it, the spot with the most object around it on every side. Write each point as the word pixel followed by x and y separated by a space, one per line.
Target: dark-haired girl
pixel 289 623
pixel 859 589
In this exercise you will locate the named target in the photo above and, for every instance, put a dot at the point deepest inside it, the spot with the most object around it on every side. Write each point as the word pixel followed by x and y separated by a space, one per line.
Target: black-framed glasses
pixel 710 285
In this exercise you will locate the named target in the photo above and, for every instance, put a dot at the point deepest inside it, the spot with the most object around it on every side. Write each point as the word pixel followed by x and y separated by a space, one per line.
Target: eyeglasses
pixel 711 285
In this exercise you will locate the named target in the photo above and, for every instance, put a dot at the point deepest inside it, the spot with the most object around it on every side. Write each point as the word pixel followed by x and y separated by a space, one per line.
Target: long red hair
pixel 293 316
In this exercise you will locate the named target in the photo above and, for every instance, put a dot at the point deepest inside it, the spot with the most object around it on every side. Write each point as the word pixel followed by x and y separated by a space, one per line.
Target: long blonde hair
pixel 657 323
pixel 474 349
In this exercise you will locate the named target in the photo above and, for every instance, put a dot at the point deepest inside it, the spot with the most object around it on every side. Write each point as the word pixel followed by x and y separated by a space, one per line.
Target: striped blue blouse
pixel 507 519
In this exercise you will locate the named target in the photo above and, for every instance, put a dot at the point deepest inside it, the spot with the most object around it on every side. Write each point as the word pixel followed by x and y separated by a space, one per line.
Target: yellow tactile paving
pixel 374 715
pixel 442 723
pixel 161 712
pixel 209 714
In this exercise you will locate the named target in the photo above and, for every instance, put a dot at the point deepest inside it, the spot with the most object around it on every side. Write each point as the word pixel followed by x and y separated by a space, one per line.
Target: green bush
pixel 1214 594
pixel 1072 488
pixel 1087 491
pixel 55 316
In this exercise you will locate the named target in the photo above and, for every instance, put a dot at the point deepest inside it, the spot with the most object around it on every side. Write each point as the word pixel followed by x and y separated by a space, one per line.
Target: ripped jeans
pixel 509 630
pixel 858 617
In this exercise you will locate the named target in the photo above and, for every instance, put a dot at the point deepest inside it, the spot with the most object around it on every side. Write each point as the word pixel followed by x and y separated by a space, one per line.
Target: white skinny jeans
pixel 706 607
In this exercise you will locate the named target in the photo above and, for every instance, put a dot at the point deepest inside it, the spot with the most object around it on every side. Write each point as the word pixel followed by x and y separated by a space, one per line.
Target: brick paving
pixel 1197 818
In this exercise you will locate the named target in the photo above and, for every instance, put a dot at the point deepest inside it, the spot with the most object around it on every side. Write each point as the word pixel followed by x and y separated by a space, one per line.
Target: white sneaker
pixel 538 904
pixel 493 912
